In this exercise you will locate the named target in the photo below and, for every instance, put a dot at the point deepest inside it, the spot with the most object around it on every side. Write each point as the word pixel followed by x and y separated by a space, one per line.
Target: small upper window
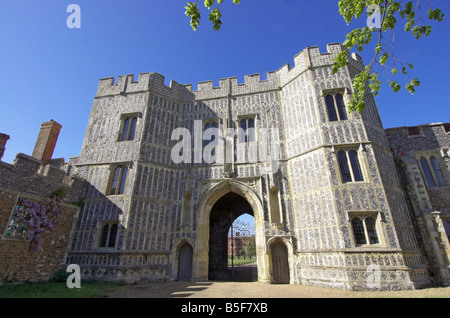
pixel 128 128
pixel 414 131
pixel 210 133
pixel 119 180
pixel 247 132
pixel 350 166
pixel 447 128
pixel 335 107
pixel 437 171
pixel 432 171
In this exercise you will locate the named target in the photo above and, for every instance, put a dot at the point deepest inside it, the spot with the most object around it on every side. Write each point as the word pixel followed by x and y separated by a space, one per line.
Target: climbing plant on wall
pixel 32 220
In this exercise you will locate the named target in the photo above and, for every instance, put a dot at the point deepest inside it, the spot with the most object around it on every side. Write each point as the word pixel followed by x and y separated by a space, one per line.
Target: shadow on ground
pixel 161 290
pixel 261 290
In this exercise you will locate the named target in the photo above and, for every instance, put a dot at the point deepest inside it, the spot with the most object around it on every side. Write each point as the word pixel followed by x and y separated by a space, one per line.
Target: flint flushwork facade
pixel 343 208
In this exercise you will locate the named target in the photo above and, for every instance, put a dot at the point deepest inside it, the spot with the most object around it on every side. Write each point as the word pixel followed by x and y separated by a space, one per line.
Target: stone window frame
pixel 344 92
pixel 246 117
pixel 6 235
pixel 123 118
pixel 363 216
pixel 446 128
pixel 100 231
pixel 420 130
pixel 211 122
pixel 362 162
pixel 444 173
pixel 112 171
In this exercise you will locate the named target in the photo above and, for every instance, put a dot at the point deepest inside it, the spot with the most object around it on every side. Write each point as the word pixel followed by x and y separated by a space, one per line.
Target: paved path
pixel 257 290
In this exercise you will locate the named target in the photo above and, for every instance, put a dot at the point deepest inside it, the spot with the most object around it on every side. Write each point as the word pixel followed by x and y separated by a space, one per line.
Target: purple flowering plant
pixel 32 220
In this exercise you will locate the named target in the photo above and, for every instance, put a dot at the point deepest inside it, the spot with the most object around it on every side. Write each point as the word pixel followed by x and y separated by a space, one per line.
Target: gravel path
pixel 259 290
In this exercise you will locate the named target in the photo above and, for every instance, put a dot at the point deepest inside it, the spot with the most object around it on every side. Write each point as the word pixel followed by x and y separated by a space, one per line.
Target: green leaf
pixel 209 3
pixel 395 86
pixel 384 58
pixel 214 17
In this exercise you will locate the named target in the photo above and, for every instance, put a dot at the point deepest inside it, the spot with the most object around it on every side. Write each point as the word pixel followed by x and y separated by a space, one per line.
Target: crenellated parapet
pixel 311 57
pixel 28 175
pixel 153 82
pixel 146 82
pixel 231 87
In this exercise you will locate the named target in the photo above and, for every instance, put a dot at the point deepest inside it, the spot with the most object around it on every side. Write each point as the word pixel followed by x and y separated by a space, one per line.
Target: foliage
pixel 389 14
pixel 31 220
pixel 193 12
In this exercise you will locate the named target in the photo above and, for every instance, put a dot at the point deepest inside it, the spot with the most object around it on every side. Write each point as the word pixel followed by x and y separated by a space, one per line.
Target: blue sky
pixel 49 71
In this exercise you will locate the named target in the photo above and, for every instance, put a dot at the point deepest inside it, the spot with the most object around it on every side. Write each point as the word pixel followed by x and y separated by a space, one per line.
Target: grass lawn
pixel 241 261
pixel 57 290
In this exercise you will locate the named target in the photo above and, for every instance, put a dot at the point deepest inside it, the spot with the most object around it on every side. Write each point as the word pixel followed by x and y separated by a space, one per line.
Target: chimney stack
pixel 3 139
pixel 46 141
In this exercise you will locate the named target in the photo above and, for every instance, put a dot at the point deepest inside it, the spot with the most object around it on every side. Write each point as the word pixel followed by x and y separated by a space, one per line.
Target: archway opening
pixel 232 247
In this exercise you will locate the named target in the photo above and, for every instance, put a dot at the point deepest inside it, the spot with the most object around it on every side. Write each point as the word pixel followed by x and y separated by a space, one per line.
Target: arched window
pixel 104 237
pixel 247 133
pixel 112 236
pixel 123 180
pixel 358 230
pixel 133 129
pixel 115 180
pixel 343 164
pixel 244 137
pixel 350 166
pixel 332 115
pixel 371 230
pixel 341 107
pixel 251 130
pixel 356 168
pixel 427 172
pixel 335 107
pixel 214 132
pixel 108 235
pixel 207 135
pixel 437 171
pixel 118 181
pixel 128 128
pixel 364 230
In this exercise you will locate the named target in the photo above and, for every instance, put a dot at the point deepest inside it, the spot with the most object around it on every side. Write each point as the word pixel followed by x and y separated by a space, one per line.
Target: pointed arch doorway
pixel 232 253
pixel 229 195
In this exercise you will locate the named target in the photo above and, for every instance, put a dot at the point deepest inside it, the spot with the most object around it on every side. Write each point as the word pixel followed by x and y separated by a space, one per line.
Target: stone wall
pixel 18 263
pixel 163 202
pixel 429 201
pixel 27 179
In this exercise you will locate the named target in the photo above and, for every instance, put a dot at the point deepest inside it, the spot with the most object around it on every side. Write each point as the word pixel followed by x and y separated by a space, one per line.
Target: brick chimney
pixel 3 139
pixel 46 141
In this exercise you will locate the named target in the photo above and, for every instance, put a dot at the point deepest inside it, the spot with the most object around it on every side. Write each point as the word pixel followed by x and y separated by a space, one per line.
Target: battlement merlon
pixel 146 82
pixel 311 57
pixel 27 175
pixel 153 82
